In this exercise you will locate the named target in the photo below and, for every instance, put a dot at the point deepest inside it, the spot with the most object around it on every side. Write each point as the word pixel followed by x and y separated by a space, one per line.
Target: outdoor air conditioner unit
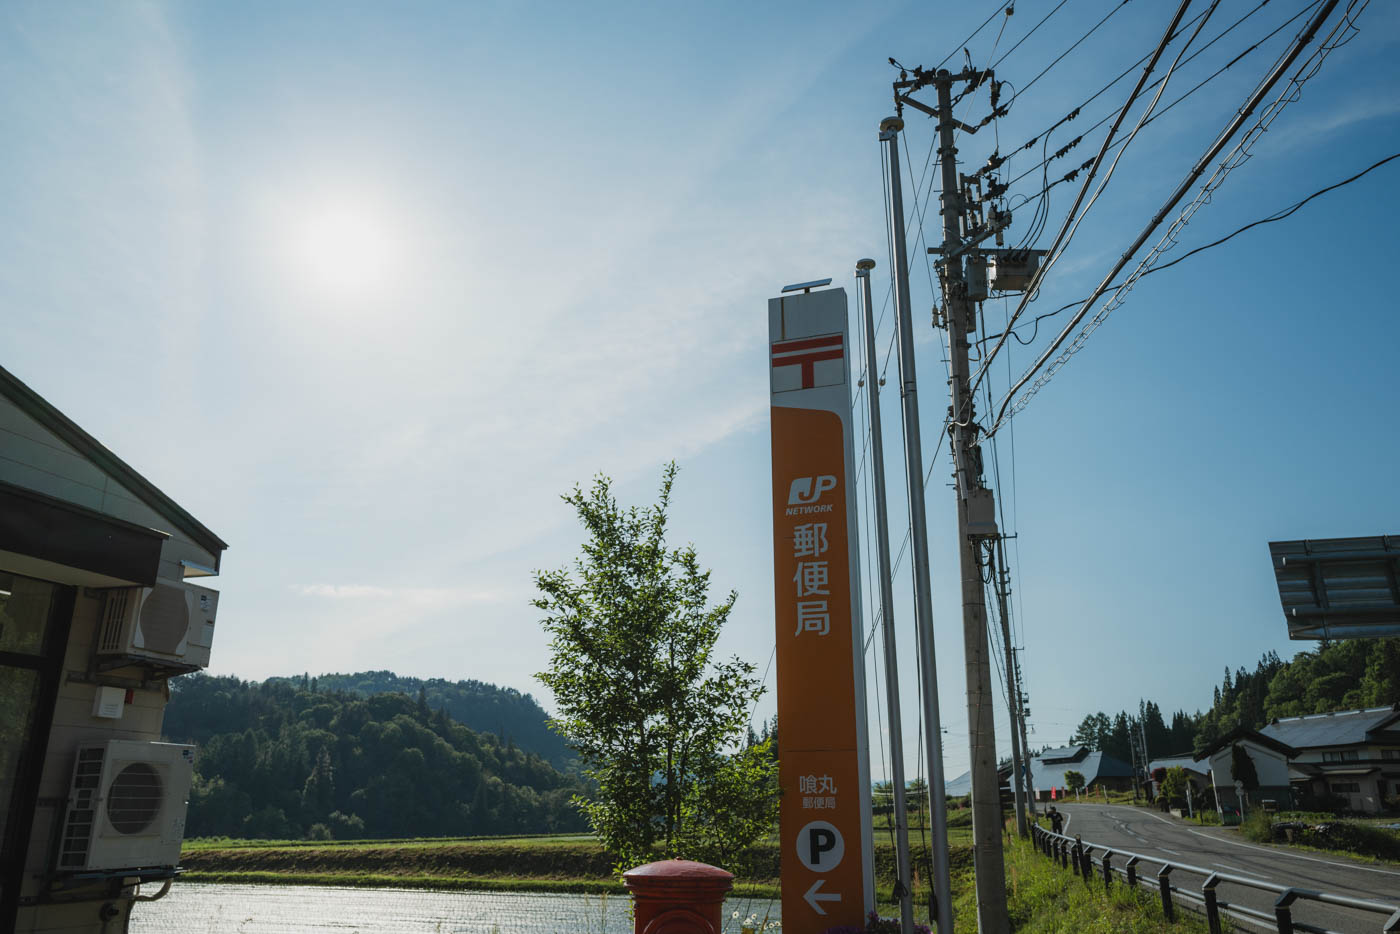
pixel 126 806
pixel 169 626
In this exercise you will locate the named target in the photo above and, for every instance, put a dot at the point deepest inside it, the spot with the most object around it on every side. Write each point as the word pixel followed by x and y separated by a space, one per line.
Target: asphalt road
pixel 1159 836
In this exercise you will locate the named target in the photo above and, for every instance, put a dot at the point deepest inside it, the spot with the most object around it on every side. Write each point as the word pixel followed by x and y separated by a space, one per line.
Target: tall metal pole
pixel 1025 742
pixel 986 788
pixel 918 534
pixel 900 817
pixel 996 557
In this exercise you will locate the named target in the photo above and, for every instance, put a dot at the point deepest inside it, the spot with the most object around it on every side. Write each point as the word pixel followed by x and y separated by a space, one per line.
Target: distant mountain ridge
pixel 481 706
pixel 282 760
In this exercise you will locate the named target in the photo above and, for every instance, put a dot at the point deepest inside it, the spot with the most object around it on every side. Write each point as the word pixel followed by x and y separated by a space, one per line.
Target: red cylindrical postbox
pixel 678 896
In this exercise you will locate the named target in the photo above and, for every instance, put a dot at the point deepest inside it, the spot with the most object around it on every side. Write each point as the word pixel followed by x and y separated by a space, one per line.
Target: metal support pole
pixel 1131 868
pixel 902 891
pixel 918 535
pixel 988 859
pixel 1086 863
pixel 996 554
pixel 1108 870
pixel 1164 886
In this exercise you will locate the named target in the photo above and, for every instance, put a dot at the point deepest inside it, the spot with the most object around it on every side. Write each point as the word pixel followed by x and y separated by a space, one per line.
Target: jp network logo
pixel 804 493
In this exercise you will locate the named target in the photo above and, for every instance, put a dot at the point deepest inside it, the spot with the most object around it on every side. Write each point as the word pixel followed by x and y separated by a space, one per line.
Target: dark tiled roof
pixel 1340 728
pixel 1094 766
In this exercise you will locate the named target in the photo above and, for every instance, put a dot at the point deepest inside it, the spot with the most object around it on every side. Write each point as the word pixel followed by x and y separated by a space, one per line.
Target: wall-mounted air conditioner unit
pixel 126 806
pixel 169 626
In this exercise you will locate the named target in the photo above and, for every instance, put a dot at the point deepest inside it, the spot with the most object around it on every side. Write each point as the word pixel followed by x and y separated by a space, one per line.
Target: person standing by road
pixel 1057 820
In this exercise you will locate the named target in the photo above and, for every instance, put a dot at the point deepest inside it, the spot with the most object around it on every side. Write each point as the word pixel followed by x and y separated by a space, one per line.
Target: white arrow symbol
pixel 813 897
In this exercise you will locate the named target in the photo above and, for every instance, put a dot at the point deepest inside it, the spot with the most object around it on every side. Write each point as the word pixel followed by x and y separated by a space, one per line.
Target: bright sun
pixel 346 252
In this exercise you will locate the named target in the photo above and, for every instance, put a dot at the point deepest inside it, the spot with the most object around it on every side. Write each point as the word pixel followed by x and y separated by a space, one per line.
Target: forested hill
pixel 484 707
pixel 277 760
pixel 1337 675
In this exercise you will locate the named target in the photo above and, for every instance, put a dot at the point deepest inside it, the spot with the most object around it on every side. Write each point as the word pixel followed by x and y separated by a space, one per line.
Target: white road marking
pixel 1165 850
pixel 1282 852
pixel 1238 871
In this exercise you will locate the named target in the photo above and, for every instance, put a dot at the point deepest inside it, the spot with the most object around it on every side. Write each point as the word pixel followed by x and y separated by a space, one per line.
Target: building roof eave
pixel 46 414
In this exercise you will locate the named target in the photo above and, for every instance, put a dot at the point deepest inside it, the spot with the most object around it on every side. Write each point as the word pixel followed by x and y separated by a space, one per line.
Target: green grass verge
pixel 1046 899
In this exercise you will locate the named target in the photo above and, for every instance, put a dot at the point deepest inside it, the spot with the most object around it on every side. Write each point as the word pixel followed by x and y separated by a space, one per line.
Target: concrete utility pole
pixel 958 317
pixel 995 558
pixel 900 816
pixel 1022 709
pixel 918 536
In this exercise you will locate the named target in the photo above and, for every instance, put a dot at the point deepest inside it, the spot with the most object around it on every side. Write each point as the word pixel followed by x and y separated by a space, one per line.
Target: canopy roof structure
pixel 1339 588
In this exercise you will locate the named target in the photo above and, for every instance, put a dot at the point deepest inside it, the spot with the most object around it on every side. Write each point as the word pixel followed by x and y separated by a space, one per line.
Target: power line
pixel 1280 214
pixel 1055 252
pixel 1072 114
pixel 1032 31
pixel 963 44
pixel 1064 150
pixel 1092 30
pixel 1237 157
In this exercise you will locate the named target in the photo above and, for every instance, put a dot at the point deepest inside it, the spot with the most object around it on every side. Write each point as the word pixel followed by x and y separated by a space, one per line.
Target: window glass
pixel 19 691
pixel 24 613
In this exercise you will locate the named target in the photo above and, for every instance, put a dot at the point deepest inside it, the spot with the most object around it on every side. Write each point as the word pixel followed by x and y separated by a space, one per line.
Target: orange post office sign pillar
pixel 824 770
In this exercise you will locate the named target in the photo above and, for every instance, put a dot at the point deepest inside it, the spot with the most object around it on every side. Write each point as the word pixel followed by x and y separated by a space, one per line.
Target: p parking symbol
pixel 820 846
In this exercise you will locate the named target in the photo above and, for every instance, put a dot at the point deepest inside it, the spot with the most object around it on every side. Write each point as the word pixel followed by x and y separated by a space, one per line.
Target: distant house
pixel 962 785
pixel 1270 757
pixel 1197 773
pixel 1351 754
pixel 1098 768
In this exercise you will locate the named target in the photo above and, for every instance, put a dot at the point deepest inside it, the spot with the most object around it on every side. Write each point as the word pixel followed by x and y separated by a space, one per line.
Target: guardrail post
pixel 1392 924
pixel 1107 870
pixel 1283 911
pixel 1086 862
pixel 1077 852
pixel 1212 908
pixel 1131 867
pixel 1164 884
pixel 1064 854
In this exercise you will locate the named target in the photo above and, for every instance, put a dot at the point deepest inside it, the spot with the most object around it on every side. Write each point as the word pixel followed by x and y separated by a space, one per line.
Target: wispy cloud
pixel 419 597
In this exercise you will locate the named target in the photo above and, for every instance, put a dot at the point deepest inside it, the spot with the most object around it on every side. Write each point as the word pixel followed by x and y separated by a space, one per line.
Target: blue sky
pixel 367 287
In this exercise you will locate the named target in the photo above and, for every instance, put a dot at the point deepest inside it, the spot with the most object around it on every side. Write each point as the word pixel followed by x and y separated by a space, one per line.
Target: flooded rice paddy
pixel 200 908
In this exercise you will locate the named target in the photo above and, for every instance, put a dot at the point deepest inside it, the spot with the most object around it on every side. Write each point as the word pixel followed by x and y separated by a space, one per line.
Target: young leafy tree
pixel 1173 786
pixel 1074 781
pixel 1242 767
pixel 659 726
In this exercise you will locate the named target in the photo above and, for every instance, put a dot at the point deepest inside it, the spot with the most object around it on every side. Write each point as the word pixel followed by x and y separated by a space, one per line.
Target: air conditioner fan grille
pixel 133 799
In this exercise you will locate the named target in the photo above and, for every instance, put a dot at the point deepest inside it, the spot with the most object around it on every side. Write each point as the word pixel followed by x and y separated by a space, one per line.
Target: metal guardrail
pixel 1074 853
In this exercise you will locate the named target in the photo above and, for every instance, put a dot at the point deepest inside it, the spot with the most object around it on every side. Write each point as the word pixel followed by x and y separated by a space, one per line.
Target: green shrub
pixel 1258 826
pixel 1354 837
